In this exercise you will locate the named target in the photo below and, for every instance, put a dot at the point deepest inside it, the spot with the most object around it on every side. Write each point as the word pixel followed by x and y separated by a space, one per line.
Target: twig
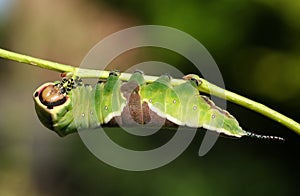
pixel 205 86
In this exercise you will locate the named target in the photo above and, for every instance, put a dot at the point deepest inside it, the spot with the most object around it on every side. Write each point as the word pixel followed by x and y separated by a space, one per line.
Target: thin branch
pixel 205 86
pixel 35 61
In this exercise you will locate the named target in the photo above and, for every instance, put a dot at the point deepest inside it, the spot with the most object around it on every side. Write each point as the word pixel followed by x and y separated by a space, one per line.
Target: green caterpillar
pixel 68 106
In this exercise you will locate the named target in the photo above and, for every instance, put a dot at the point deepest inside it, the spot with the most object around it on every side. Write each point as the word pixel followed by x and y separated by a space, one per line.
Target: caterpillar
pixel 67 106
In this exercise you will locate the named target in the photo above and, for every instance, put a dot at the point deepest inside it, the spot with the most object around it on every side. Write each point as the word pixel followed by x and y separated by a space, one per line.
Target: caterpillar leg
pixel 137 77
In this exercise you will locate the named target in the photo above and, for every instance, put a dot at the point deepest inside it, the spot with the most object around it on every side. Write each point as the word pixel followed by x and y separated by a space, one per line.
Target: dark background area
pixel 256 44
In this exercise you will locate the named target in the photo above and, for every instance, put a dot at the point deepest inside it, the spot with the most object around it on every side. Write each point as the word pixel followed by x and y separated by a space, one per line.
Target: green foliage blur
pixel 256 44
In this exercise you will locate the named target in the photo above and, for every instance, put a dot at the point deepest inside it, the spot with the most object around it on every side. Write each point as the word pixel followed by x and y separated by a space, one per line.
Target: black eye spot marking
pixel 50 107
pixel 78 81
pixel 36 94
pixel 139 71
pixel 195 81
pixel 114 73
pixel 64 80
pixel 168 75
pixel 62 90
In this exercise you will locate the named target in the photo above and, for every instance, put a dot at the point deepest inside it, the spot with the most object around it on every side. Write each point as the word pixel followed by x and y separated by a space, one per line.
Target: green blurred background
pixel 256 44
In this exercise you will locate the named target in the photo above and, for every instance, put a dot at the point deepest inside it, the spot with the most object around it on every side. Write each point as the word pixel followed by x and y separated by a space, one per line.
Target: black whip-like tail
pixel 265 137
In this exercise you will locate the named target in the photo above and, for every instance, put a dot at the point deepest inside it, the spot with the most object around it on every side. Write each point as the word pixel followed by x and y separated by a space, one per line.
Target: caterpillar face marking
pixel 52 96
pixel 67 106
pixel 56 94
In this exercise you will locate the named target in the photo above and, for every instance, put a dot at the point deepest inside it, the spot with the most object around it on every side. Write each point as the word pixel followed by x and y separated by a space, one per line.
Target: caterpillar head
pixel 51 95
pixel 51 104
